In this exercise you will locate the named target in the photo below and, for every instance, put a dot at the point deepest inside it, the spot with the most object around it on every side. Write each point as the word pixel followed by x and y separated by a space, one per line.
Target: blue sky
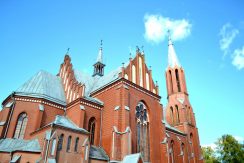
pixel 208 38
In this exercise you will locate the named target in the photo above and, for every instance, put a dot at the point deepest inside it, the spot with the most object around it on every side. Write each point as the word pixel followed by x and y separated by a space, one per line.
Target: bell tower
pixel 99 66
pixel 179 112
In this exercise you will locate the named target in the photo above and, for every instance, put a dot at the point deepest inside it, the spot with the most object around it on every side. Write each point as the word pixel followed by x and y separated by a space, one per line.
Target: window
pixel 172 115
pixel 177 114
pixel 21 126
pixel 76 144
pixel 69 144
pixel 192 144
pixel 133 74
pixel 171 84
pixel 60 142
pixel 53 146
pixel 177 80
pixel 91 129
pixel 142 131
pixel 172 151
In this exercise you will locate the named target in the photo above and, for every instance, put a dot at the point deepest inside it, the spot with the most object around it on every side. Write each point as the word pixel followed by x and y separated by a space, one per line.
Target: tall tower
pixel 179 112
pixel 99 66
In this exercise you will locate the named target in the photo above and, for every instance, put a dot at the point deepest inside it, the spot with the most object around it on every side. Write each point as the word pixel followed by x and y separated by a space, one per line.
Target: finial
pixel 169 38
pixel 156 83
pixel 150 68
pixel 68 51
pixel 142 50
pixel 130 56
pixel 101 43
pixel 123 64
pixel 137 49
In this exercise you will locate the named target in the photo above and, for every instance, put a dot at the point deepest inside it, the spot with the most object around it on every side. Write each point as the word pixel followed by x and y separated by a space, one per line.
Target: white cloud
pixel 156 27
pixel 228 34
pixel 213 146
pixel 238 58
pixel 239 139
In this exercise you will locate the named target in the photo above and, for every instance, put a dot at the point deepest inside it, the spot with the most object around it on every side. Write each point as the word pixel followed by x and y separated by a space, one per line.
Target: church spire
pixel 100 53
pixel 172 57
pixel 99 66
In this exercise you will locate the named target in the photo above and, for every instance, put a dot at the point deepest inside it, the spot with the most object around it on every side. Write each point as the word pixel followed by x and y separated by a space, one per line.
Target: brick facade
pixel 162 136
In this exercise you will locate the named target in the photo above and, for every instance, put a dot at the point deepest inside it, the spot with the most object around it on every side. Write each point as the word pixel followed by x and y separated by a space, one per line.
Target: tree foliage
pixel 228 150
pixel 209 155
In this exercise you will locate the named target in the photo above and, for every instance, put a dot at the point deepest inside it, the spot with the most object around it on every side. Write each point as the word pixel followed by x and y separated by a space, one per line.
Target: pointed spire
pixel 172 57
pixel 100 53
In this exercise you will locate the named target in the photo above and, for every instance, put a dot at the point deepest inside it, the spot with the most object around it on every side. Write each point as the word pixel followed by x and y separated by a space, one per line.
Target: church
pixel 75 117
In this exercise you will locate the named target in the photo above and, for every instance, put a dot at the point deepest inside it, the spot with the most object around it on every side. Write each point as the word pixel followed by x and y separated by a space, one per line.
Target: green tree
pixel 209 155
pixel 229 150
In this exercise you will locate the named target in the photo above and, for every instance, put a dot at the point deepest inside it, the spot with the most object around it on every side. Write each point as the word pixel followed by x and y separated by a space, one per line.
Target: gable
pixel 137 72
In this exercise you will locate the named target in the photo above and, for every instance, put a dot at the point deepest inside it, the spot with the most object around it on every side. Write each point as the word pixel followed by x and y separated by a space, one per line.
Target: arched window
pixel 171 83
pixel 192 144
pixel 172 115
pixel 133 74
pixel 21 126
pixel 177 80
pixel 140 72
pixel 69 144
pixel 76 144
pixel 126 76
pixel 143 131
pixel 177 114
pixel 91 129
pixel 172 152
pixel 60 142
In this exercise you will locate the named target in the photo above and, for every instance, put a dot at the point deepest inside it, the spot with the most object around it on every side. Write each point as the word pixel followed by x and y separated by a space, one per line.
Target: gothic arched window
pixel 91 129
pixel 177 80
pixel 143 131
pixel 172 115
pixel 76 144
pixel 172 151
pixel 69 144
pixel 21 126
pixel 60 142
pixel 177 114
pixel 171 83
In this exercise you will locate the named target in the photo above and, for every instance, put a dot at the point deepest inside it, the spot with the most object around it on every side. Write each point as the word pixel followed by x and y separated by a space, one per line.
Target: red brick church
pixel 114 117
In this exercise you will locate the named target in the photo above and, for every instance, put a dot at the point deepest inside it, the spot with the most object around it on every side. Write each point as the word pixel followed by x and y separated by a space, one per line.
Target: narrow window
pixel 177 80
pixel 69 144
pixel 172 151
pixel 53 146
pixel 21 126
pixel 171 83
pixel 192 145
pixel 91 129
pixel 177 114
pixel 172 115
pixel 189 114
pixel 76 144
pixel 133 74
pixel 60 142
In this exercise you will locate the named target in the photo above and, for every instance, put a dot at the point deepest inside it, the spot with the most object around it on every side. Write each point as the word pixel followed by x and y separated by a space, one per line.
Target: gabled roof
pixel 97 82
pixel 98 153
pixel 67 123
pixel 43 85
pixel 11 145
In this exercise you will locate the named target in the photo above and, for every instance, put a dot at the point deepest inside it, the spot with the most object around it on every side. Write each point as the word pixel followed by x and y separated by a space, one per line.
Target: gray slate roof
pixel 95 83
pixel 44 85
pixel 66 122
pixel 11 145
pixel 98 153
